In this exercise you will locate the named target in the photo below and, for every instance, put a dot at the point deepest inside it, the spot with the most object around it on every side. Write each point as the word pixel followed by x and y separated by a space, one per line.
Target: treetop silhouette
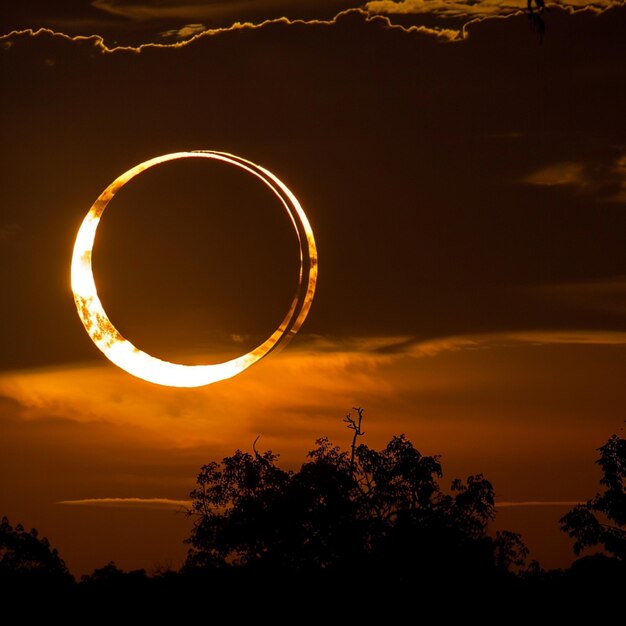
pixel 601 521
pixel 381 510
pixel 346 521
pixel 24 555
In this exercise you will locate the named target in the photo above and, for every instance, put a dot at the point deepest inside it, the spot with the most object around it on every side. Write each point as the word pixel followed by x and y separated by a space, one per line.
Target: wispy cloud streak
pixel 537 503
pixel 130 503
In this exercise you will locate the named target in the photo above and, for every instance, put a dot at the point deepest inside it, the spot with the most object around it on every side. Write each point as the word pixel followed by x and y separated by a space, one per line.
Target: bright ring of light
pixel 122 352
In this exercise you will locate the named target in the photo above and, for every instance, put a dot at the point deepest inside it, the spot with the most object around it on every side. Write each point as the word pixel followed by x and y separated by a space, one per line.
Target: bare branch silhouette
pixel 354 425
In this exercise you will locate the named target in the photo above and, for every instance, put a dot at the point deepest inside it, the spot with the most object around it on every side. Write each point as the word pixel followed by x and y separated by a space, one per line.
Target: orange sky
pixel 527 411
pixel 468 201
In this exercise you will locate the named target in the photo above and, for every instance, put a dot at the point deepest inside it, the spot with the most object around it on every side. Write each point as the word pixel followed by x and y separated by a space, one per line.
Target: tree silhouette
pixel 601 521
pixel 26 556
pixel 363 510
pixel 364 529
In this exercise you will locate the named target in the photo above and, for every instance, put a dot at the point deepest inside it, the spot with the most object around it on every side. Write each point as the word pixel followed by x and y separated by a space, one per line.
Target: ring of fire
pixel 122 352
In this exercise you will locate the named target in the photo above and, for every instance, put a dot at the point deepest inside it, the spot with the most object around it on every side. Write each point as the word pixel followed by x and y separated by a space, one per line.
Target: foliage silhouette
pixel 374 511
pixel 361 530
pixel 601 521
pixel 27 558
pixel 112 575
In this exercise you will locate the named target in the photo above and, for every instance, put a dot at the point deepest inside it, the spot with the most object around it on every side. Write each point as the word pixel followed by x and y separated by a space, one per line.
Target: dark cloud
pixel 135 22
pixel 230 11
pixel 143 21
pixel 607 295
pixel 467 8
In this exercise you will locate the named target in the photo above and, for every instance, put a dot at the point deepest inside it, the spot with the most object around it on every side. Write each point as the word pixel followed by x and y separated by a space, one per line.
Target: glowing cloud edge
pixel 131 359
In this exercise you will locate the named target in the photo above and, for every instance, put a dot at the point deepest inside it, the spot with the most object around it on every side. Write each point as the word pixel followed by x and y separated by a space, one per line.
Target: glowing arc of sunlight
pixel 142 365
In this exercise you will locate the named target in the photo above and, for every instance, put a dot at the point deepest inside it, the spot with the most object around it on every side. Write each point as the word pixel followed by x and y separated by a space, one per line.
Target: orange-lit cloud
pixel 507 404
pixel 620 172
pixel 604 181
pixel 188 30
pixel 182 505
pixel 536 503
pixel 300 393
pixel 443 7
pixel 460 8
pixel 133 503
pixel 564 173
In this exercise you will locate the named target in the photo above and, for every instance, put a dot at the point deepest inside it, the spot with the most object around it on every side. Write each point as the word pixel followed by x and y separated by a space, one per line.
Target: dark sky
pixel 454 188
pixel 468 198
